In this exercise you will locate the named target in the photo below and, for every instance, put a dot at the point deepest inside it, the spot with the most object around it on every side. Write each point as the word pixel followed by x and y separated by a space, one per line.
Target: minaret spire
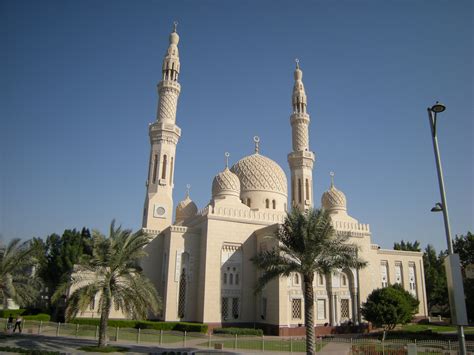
pixel 164 136
pixel 301 159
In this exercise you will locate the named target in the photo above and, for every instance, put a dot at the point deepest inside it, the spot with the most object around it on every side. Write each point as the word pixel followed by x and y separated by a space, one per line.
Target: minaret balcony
pixel 298 117
pixel 169 84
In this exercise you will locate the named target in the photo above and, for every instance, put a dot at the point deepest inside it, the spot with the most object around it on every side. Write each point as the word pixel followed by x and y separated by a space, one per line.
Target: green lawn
pixel 434 328
pixel 270 345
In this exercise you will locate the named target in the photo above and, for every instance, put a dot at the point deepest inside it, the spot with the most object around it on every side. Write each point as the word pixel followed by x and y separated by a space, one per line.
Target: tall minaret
pixel 301 159
pixel 164 135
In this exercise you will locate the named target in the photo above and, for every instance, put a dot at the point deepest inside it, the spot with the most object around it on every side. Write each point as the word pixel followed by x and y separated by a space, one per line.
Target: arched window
pixel 267 203
pixel 296 279
pixel 163 169
pixel 155 167
pixel 344 280
pixel 231 279
pixel 299 191
pixel 171 171
pixel 274 204
pixel 307 189
pixel 321 279
pixel 225 278
pixel 237 279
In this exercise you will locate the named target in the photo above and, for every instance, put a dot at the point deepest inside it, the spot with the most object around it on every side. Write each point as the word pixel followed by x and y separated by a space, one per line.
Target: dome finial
pixel 188 187
pixel 256 139
pixel 227 155
pixel 175 25
pixel 297 61
pixel 332 178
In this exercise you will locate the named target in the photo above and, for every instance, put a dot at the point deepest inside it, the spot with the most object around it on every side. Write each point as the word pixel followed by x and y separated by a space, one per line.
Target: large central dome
pixel 259 173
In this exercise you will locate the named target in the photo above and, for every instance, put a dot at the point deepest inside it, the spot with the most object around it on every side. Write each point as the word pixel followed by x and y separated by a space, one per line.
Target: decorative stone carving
pixel 257 172
pixel 226 183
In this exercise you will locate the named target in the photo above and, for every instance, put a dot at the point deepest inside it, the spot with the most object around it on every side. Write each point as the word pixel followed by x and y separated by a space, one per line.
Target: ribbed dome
pixel 185 209
pixel 226 183
pixel 259 173
pixel 333 199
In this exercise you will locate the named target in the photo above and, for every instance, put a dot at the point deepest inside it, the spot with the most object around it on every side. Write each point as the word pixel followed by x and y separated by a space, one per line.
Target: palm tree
pixel 307 243
pixel 16 271
pixel 113 273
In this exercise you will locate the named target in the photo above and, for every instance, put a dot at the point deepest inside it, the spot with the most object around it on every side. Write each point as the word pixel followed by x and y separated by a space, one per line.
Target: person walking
pixel 10 324
pixel 18 324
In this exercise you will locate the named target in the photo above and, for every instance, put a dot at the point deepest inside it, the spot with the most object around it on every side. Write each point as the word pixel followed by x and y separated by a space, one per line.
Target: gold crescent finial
pixel 332 178
pixel 227 155
pixel 188 187
pixel 256 139
pixel 175 25
pixel 297 61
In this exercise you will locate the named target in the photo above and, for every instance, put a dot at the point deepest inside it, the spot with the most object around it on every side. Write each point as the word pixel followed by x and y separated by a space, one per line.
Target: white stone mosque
pixel 200 262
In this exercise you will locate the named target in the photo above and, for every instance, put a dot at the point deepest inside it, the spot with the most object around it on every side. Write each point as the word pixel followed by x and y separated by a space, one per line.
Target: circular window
pixel 160 211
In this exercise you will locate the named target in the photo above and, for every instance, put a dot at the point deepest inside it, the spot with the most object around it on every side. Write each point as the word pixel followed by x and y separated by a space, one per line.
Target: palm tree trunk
pixel 309 313
pixel 104 317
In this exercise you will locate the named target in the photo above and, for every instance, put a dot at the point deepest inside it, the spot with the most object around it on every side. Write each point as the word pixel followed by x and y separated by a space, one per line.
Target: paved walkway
pixel 68 345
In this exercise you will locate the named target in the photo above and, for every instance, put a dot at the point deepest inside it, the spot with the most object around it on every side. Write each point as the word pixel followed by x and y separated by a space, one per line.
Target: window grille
pixel 235 307
pixel 384 273
pixel 296 308
pixel 398 273
pixel 182 294
pixel 321 307
pixel 264 308
pixel 345 308
pixel 412 279
pixel 225 308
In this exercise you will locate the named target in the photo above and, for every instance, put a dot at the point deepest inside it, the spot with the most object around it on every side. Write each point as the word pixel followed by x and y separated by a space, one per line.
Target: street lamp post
pixel 452 264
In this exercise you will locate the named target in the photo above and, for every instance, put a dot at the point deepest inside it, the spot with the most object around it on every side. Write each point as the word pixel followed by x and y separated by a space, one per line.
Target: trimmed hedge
pixel 238 331
pixel 125 323
pixel 42 316
pixel 5 313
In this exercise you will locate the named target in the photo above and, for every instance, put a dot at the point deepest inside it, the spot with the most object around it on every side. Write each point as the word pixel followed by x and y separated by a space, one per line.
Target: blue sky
pixel 78 89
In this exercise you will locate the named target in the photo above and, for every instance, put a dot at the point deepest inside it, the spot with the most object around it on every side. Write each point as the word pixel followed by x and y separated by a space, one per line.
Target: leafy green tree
pixel 58 255
pixel 389 306
pixel 464 246
pixel 407 246
pixel 307 243
pixel 17 279
pixel 435 280
pixel 112 273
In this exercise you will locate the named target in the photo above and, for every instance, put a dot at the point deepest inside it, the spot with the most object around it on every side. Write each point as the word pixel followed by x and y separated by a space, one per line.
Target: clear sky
pixel 78 89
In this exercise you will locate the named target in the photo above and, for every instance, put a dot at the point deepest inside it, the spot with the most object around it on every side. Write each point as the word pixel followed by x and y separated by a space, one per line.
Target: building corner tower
pixel 164 135
pixel 301 159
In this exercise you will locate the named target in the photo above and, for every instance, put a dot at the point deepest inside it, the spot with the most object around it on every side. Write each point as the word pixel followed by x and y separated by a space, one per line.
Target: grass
pixel 27 351
pixel 284 345
pixel 434 328
pixel 107 349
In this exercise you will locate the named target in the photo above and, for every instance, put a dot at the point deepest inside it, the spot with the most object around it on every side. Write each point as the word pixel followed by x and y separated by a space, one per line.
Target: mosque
pixel 200 262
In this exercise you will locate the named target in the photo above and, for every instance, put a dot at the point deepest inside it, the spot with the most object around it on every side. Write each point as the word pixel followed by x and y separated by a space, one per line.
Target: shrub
pixel 389 306
pixel 39 317
pixel 238 331
pixel 5 313
pixel 126 323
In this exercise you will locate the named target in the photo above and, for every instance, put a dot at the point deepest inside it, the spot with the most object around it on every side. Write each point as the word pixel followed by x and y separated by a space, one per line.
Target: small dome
pixel 185 209
pixel 226 183
pixel 333 199
pixel 259 173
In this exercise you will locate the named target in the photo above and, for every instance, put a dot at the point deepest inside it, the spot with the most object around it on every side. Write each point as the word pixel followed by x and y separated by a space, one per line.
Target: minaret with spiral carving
pixel 301 159
pixel 164 135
